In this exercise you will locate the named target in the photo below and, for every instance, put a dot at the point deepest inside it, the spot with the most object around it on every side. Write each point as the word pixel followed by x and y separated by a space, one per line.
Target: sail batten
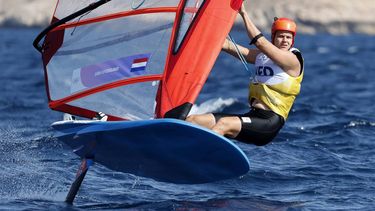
pixel 115 16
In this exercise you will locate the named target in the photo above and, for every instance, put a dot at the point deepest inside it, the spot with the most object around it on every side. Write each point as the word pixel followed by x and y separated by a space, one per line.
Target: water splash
pixel 212 105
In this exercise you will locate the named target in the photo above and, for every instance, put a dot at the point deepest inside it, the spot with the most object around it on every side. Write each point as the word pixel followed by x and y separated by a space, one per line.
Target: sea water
pixel 323 159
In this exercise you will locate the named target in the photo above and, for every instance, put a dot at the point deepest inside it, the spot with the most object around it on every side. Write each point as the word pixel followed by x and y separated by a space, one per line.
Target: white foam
pixel 26 13
pixel 212 105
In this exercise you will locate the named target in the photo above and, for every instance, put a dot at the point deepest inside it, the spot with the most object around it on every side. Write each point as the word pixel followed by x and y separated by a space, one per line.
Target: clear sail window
pixel 190 10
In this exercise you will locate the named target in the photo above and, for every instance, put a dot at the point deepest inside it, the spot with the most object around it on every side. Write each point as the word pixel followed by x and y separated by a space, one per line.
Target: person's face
pixel 283 40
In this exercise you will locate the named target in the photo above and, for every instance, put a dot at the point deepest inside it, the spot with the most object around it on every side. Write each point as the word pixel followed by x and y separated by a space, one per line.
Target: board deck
pixel 167 150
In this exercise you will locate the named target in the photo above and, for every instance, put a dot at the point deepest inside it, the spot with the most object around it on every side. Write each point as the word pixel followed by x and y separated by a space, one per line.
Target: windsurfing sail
pixel 133 59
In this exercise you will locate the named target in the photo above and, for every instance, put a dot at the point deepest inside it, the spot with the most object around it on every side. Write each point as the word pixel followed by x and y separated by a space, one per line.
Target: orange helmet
pixel 284 24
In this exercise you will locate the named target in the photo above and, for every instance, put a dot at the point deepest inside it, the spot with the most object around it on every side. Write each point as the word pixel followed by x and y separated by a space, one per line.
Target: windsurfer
pixel 277 82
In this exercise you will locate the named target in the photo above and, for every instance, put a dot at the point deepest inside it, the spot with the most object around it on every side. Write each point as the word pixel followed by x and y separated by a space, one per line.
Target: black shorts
pixel 258 126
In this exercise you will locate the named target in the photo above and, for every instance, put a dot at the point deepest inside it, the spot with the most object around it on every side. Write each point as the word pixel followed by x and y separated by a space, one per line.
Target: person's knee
pixel 229 126
pixel 222 123
pixel 222 126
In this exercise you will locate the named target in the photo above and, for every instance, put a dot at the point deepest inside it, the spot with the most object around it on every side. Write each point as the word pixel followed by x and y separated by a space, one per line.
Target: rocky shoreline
pixel 318 16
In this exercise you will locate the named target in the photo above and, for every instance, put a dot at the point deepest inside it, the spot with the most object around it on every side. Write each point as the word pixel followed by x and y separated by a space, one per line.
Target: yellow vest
pixel 273 86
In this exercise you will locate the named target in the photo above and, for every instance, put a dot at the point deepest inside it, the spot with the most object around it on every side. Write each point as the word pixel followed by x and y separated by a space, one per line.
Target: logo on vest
pixel 264 71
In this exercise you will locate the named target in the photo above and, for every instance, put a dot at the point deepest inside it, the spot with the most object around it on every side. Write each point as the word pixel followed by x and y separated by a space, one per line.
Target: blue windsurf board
pixel 167 150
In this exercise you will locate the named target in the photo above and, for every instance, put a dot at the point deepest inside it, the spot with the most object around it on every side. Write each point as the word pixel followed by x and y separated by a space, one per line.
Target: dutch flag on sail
pixel 139 64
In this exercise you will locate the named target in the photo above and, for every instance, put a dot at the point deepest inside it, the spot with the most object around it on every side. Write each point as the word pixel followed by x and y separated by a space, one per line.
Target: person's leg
pixel 204 120
pixel 259 127
pixel 223 124
pixel 229 126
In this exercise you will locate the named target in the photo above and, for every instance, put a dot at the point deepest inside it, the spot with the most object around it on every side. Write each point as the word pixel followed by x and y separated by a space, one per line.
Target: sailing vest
pixel 274 87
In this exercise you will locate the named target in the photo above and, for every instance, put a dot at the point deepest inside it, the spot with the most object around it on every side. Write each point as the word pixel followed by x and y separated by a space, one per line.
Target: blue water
pixel 323 159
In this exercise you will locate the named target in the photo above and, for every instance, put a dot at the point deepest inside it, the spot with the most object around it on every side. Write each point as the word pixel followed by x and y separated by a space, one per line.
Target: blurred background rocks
pixel 312 16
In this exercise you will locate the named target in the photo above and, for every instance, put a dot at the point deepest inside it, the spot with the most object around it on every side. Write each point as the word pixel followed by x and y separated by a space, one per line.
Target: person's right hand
pixel 242 10
pixel 226 44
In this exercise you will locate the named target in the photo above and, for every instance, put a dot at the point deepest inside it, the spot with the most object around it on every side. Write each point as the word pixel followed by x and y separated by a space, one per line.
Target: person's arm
pixel 285 59
pixel 248 54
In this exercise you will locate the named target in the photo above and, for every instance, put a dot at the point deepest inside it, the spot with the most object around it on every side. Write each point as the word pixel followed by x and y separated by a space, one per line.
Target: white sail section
pixel 67 7
pixel 100 53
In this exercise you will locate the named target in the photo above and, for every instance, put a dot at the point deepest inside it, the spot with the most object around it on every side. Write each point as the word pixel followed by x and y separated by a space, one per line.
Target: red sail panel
pixel 187 69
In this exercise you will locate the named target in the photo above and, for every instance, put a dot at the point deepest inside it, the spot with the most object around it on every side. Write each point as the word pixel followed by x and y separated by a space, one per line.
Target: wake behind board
pixel 166 150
